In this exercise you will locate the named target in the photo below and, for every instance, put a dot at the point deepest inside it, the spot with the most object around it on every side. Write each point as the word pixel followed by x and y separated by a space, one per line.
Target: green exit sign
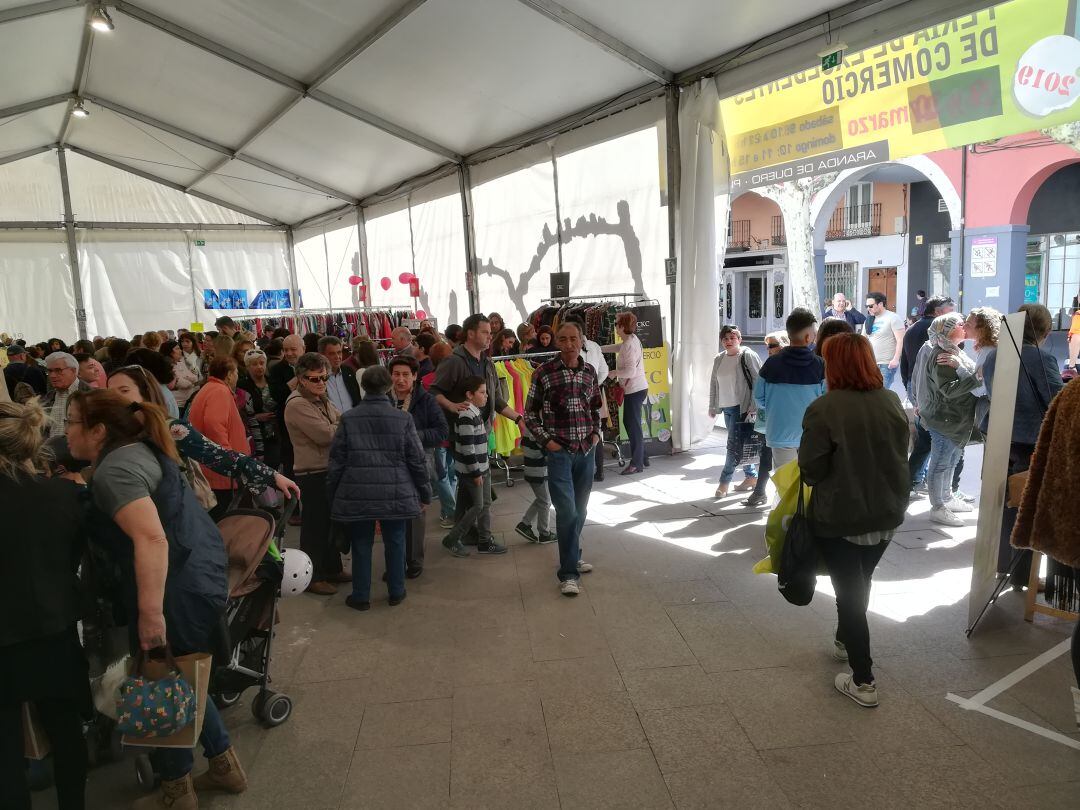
pixel 200 243
pixel 831 60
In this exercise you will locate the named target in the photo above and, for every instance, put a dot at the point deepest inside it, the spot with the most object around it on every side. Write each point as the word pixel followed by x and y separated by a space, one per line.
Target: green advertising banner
pixel 1007 69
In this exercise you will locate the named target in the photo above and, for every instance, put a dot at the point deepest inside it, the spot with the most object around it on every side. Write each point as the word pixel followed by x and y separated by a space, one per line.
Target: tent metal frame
pixel 663 82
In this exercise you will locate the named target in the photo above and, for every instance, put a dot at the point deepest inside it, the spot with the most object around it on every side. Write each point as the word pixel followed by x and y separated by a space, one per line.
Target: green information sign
pixel 200 243
pixel 829 61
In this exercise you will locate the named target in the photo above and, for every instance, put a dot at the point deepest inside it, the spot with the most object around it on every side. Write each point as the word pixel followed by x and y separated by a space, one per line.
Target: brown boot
pixel 178 794
pixel 322 588
pixel 225 773
pixel 747 485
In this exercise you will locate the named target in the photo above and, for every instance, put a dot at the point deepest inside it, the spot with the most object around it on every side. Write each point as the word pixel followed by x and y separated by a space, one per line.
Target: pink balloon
pixel 405 278
pixel 420 314
pixel 384 282
pixel 356 281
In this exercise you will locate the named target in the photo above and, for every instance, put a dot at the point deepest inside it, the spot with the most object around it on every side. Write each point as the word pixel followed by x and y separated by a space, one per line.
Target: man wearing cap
pixel 63 370
pixel 18 370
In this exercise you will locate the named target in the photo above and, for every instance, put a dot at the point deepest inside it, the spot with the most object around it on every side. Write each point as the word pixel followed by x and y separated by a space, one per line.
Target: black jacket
pixel 453 370
pixel 32 375
pixel 351 385
pixel 854 454
pixel 428 418
pixel 278 379
pixel 377 470
pixel 40 547
pixel 914 338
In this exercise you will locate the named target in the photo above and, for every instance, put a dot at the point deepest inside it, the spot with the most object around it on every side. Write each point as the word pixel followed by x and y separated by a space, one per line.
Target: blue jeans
pixel 361 534
pixel 570 480
pixel 944 456
pixel 444 487
pixel 733 415
pixel 631 419
pixel 887 374
pixel 176 763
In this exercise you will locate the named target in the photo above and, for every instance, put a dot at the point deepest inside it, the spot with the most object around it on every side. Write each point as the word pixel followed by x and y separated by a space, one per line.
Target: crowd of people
pixel 139 446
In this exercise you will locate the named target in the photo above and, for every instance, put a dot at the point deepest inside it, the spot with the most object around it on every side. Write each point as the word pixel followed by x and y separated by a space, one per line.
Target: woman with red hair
pixel 854 454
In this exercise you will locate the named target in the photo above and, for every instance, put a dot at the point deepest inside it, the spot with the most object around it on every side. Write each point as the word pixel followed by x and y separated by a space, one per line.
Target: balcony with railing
pixel 738 236
pixel 855 222
pixel 779 235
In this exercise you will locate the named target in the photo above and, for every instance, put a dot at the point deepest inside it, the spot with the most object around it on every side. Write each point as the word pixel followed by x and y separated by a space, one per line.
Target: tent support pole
pixel 361 248
pixel 558 207
pixel 73 251
pixel 472 267
pixel 674 184
pixel 290 258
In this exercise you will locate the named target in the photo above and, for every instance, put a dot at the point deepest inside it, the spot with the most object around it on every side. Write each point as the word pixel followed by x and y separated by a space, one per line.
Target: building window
pixel 841 277
pixel 940 263
pixel 860 198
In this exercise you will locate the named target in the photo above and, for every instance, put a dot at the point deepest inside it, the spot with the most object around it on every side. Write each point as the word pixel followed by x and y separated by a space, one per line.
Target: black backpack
pixel 797 577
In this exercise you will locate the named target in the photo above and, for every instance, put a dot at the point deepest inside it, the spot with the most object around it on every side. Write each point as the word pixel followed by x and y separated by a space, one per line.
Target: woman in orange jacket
pixel 214 414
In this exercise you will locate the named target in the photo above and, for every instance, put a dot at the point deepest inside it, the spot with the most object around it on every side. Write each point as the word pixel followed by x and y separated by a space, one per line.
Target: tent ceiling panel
pixel 39 55
pixel 489 69
pixel 253 188
pixel 30 190
pixel 294 36
pixel 681 35
pixel 31 129
pixel 140 145
pixel 322 144
pixel 160 76
pixel 101 193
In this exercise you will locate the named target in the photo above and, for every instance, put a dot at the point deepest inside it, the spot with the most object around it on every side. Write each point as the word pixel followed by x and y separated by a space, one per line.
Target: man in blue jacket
pixel 788 382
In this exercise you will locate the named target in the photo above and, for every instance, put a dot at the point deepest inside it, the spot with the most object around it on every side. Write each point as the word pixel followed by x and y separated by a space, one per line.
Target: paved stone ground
pixel 677 678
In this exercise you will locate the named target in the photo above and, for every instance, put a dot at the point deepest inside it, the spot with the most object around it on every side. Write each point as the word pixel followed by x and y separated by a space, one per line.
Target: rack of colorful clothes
pixel 515 379
pixel 374 322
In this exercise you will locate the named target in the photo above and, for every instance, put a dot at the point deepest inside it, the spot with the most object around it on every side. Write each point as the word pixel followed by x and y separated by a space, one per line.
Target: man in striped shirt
pixel 563 413
pixel 471 465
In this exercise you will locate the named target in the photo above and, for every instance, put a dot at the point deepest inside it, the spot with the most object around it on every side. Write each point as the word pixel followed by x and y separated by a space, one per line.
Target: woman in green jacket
pixel 854 453
pixel 942 382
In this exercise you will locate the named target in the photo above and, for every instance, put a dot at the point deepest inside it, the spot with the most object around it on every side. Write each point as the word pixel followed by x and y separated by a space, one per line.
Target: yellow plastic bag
pixel 787 480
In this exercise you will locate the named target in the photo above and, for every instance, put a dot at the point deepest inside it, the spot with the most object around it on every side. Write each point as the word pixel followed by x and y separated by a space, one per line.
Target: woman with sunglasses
pixel 312 421
pixel 135 384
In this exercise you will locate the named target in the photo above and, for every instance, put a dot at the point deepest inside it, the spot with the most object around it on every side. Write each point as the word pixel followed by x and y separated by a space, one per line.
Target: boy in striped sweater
pixel 474 477
pixel 536 477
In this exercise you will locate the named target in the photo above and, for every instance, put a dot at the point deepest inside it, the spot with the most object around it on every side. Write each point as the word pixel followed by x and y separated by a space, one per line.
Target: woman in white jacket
pixel 187 380
pixel 731 393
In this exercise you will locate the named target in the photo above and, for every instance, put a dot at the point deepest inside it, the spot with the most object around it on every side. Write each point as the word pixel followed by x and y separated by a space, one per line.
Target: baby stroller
pixel 255 572
pixel 243 651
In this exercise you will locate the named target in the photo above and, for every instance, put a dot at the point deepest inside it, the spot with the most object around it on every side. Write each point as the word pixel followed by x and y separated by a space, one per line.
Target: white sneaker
pixel 945 517
pixel 963 496
pixel 583 567
pixel 865 695
pixel 957 505
pixel 839 651
pixel 569 588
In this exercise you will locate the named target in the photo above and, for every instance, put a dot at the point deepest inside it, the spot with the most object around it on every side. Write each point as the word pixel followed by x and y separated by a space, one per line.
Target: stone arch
pixel 824 203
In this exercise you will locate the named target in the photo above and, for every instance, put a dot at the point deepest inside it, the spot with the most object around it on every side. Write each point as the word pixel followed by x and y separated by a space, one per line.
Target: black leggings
pixel 62 724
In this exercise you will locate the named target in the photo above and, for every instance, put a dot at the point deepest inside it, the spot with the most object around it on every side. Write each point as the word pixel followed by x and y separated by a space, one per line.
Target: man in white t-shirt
pixel 886 332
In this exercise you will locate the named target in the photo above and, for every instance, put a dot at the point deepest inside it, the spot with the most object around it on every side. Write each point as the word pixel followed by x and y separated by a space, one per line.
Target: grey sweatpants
pixel 540 509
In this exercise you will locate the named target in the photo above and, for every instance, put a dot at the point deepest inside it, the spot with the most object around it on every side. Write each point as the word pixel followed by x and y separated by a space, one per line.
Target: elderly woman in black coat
pixel 377 472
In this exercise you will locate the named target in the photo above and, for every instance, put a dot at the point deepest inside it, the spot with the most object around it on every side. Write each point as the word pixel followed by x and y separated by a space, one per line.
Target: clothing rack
pixel 495 461
pixel 638 298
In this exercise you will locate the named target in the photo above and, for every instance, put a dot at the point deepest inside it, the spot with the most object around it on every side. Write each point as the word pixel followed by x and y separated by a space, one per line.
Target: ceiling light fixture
pixel 79 111
pixel 100 20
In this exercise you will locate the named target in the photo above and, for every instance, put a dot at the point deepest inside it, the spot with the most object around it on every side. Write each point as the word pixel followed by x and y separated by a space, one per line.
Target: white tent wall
pixel 252 261
pixel 37 300
pixel 439 251
pixel 325 258
pixel 390 253
pixel 30 190
pixel 135 281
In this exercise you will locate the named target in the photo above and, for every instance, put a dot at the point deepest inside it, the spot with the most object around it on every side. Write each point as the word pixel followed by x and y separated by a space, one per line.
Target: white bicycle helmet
pixel 298 571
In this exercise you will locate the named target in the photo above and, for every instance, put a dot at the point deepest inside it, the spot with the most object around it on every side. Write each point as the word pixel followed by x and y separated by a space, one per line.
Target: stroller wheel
pixel 271 708
pixel 144 773
pixel 226 699
pixel 510 482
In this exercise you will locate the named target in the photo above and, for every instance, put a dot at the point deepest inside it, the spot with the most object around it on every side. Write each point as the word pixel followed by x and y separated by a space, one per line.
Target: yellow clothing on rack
pixel 507 434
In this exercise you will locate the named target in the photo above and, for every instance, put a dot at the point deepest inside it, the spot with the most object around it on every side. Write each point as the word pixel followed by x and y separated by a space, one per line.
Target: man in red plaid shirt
pixel 563 413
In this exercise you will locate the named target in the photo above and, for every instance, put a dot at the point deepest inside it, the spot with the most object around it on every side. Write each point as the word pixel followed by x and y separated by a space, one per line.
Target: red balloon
pixel 405 278
pixel 384 282
pixel 420 314
pixel 356 281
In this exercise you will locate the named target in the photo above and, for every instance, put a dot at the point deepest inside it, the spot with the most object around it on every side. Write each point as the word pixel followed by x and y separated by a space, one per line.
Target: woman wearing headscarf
pixel 942 384
pixel 169 562
pixel 43 661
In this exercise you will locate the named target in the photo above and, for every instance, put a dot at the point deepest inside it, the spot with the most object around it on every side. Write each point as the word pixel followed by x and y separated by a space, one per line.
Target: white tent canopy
pixel 352 128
